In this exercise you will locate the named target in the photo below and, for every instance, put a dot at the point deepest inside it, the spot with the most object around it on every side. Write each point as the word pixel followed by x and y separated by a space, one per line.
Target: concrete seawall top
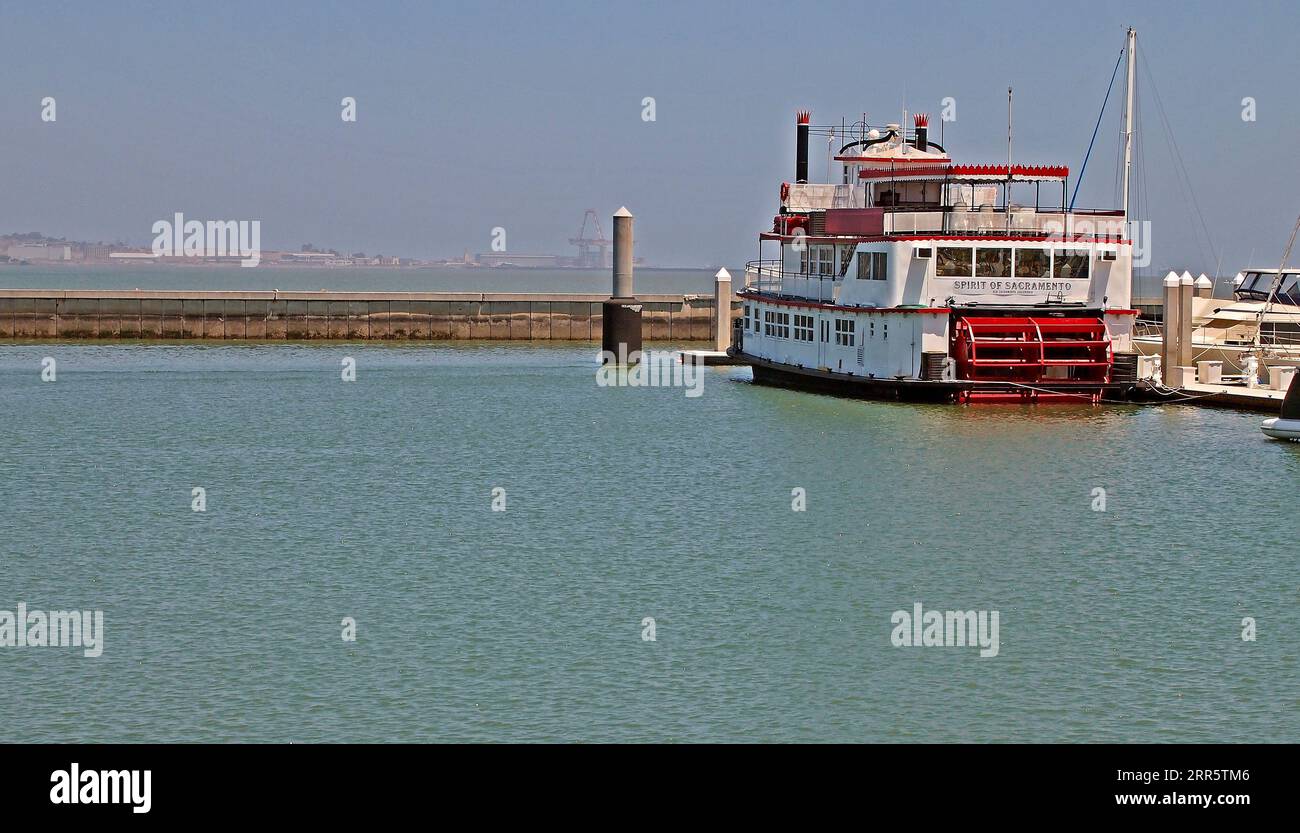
pixel 273 315
pixel 328 295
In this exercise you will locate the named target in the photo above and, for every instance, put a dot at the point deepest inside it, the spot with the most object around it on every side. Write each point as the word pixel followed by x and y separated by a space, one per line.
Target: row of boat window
pixel 954 262
pixel 821 260
pixel 1006 262
pixel 779 325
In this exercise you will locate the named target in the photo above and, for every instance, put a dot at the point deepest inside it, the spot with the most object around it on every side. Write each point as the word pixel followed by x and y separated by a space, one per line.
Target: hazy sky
pixel 477 115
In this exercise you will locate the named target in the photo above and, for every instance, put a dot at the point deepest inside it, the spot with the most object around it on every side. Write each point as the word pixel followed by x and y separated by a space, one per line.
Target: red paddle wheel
pixel 1034 357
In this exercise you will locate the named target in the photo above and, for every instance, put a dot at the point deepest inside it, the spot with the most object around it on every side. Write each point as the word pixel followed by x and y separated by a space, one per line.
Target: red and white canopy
pixel 969 173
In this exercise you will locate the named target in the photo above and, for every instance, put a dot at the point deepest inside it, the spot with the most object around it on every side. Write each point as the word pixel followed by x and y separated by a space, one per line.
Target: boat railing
pixel 1146 328
pixel 990 219
pixel 772 278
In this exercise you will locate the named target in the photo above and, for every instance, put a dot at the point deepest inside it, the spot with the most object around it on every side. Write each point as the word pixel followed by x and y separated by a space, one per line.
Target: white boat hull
pixel 1282 429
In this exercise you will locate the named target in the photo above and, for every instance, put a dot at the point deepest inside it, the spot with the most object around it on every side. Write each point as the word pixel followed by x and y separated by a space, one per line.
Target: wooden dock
pixel 1229 396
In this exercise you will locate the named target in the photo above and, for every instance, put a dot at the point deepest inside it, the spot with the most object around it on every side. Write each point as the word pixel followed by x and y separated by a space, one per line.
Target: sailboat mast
pixel 1131 51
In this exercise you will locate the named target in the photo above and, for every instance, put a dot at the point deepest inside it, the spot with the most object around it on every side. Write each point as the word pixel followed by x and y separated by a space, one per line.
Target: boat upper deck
pixel 899 183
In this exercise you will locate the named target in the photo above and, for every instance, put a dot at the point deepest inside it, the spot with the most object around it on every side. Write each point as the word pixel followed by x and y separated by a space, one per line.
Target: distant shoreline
pixel 63 264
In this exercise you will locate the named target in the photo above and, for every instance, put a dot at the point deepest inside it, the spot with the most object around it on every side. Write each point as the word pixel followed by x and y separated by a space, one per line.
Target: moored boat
pixel 1287 425
pixel 1258 329
pixel 919 277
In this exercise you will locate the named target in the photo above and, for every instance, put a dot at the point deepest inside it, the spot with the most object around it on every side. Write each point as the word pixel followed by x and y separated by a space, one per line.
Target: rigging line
pixel 1084 166
pixel 1277 284
pixel 1186 192
pixel 1174 142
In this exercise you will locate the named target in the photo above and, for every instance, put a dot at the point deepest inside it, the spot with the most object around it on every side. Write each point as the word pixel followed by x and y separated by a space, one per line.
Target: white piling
pixel 722 311
pixel 1169 344
pixel 623 254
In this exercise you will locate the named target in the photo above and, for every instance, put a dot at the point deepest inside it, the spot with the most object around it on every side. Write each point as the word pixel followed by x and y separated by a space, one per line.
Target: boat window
pixel 776 324
pixel 846 257
pixel 825 260
pixel 1255 286
pixel 872 266
pixel 1069 264
pixel 1258 285
pixel 1290 292
pixel 992 263
pixel 1033 263
pixel 879 263
pixel 781 324
pixel 803 328
pixel 844 332
pixel 953 262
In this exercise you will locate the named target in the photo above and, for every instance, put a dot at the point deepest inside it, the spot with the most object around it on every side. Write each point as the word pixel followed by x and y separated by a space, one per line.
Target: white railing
pixel 999 221
pixel 816 196
pixel 769 276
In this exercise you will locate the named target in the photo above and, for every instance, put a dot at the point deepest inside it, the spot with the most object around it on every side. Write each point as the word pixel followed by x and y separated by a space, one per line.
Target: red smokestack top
pixel 802 116
pixel 922 122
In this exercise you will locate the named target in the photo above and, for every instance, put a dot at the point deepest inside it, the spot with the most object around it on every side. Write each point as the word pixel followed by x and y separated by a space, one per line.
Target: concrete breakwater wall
pixel 112 314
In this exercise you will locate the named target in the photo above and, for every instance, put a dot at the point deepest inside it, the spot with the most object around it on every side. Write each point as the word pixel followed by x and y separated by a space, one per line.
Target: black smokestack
pixel 801 147
pixel 922 122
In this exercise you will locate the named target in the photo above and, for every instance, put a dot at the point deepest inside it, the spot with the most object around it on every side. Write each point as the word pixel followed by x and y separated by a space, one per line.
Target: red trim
pixel 903 238
pixel 1077 238
pixel 802 116
pixel 921 119
pixel 990 171
pixel 1001 170
pixel 786 302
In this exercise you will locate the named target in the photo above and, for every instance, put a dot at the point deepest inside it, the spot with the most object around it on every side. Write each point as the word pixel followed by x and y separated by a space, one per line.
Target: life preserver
pixel 785 192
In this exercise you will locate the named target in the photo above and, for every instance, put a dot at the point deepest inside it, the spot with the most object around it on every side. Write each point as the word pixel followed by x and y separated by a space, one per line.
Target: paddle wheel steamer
pixel 918 277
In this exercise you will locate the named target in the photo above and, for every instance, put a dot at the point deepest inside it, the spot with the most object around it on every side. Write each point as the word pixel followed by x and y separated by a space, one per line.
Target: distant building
pixel 316 259
pixel 507 259
pixel 40 251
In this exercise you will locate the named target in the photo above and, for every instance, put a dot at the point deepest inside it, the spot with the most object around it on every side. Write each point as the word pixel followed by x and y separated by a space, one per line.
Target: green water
pixel 372 499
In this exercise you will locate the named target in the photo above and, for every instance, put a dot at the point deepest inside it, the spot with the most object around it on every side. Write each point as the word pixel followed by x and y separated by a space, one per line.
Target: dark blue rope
pixel 1084 166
